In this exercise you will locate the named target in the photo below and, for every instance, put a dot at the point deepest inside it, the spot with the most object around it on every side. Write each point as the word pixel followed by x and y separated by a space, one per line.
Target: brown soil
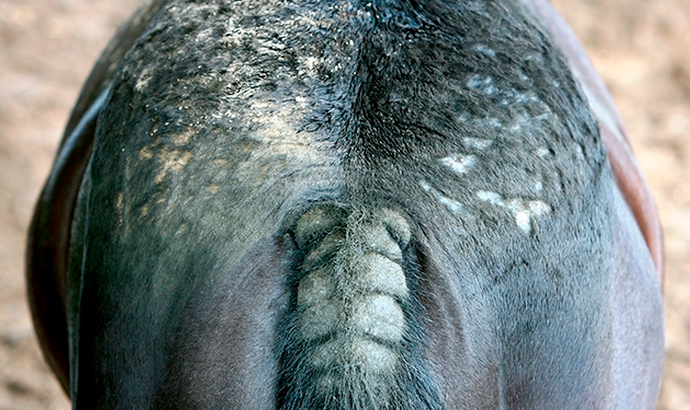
pixel 47 48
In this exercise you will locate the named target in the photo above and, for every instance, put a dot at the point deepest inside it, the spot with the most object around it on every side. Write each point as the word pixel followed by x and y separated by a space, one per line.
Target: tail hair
pixel 350 333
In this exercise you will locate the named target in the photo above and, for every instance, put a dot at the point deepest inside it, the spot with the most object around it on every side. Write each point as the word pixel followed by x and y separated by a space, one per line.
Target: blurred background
pixel 47 47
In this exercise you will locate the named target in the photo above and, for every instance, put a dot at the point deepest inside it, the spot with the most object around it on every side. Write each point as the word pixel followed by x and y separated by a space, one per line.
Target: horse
pixel 391 204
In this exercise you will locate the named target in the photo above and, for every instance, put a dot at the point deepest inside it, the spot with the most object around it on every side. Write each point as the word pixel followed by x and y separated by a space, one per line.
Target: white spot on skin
pixel 523 210
pixel 490 197
pixel 311 62
pixel 120 206
pixel 453 205
pixel 269 47
pixel 460 164
pixel 463 118
pixel 260 105
pixel 494 122
pixel 143 80
pixel 522 121
pixel 542 152
pixel 481 48
pixel 483 85
pixel 578 151
pixel 521 98
pixel 539 208
pixel 477 143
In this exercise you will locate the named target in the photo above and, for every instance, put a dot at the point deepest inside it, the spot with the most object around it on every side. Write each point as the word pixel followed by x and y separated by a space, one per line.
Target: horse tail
pixel 350 332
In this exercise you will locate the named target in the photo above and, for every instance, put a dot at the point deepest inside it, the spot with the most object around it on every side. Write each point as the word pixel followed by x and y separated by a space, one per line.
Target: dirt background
pixel 47 47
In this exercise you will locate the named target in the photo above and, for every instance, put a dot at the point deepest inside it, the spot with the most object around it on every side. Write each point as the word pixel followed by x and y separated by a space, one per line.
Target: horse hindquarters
pixel 223 131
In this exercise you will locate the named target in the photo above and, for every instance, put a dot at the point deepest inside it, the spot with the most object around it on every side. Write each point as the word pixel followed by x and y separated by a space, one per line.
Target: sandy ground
pixel 47 48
